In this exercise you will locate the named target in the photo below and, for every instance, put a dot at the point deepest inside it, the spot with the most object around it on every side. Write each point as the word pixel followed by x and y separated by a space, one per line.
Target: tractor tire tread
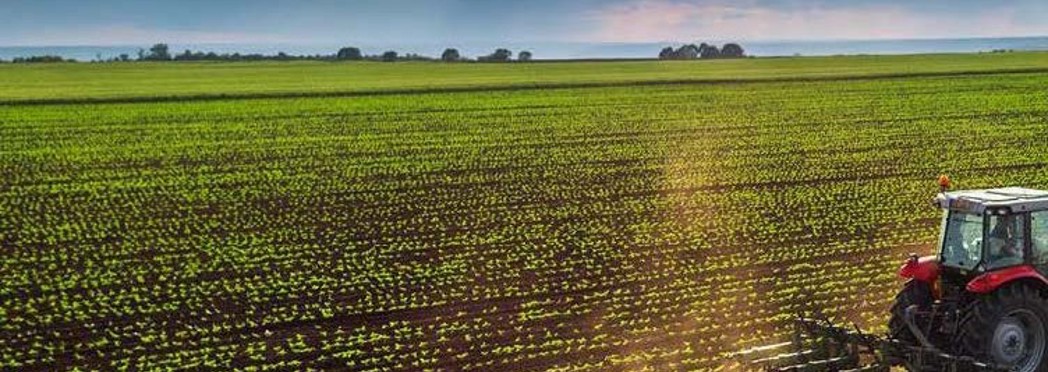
pixel 978 317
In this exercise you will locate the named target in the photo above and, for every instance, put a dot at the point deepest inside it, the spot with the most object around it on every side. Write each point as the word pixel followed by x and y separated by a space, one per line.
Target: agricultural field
pixel 648 220
pixel 137 82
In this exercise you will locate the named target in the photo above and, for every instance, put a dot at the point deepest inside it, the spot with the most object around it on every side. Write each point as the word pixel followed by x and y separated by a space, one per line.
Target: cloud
pixel 115 35
pixel 667 20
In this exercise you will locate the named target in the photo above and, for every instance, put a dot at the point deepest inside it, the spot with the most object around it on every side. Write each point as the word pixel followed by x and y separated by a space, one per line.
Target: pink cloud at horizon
pixel 665 20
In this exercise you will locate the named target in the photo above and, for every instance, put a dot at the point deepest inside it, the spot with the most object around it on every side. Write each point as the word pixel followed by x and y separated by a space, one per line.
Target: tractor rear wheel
pixel 1006 327
pixel 915 292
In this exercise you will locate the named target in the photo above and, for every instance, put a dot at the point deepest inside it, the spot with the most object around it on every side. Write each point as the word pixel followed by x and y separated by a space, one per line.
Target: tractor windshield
pixel 962 240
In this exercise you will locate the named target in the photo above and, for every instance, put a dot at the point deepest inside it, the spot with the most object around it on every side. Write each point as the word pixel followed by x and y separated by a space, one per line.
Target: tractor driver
pixel 1004 242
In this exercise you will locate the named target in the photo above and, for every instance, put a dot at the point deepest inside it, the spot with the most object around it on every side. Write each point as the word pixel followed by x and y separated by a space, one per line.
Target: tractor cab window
pixel 962 240
pixel 1005 241
pixel 1039 237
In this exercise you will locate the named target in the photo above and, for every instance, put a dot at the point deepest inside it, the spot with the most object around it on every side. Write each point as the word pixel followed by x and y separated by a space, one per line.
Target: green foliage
pixel 500 55
pixel 41 59
pixel 450 55
pixel 349 53
pixel 158 52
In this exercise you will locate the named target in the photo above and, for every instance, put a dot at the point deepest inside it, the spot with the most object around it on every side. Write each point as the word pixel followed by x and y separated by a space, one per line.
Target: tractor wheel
pixel 1006 327
pixel 915 292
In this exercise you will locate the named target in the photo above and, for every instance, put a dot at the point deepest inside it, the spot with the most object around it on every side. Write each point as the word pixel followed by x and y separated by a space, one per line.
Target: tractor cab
pixel 987 230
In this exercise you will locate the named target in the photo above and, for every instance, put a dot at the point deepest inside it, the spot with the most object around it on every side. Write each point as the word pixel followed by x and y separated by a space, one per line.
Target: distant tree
pixel 732 50
pixel 450 55
pixel 524 56
pixel 710 52
pixel 690 51
pixel 350 54
pixel 414 57
pixel 389 56
pixel 667 53
pixel 124 57
pixel 500 55
pixel 158 52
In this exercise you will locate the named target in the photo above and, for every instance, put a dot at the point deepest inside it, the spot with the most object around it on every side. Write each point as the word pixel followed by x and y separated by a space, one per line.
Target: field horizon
pixel 564 50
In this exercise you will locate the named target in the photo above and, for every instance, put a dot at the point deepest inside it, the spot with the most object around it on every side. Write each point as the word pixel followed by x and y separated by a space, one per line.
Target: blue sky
pixel 117 22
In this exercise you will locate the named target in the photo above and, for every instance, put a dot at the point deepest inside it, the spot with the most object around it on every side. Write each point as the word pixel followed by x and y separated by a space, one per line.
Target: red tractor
pixel 980 303
pixel 984 294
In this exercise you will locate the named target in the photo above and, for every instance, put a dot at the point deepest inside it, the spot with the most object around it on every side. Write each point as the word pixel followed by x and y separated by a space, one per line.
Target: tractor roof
pixel 1013 199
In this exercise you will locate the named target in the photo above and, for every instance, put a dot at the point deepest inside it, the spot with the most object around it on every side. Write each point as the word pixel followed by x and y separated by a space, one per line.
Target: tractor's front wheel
pixel 915 292
pixel 1006 327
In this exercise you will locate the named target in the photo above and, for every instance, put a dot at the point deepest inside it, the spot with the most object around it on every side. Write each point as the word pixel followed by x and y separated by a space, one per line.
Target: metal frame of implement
pixel 819 345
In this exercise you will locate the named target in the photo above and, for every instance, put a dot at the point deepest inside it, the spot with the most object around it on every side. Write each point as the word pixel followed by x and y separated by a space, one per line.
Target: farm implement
pixel 820 345
pixel 979 304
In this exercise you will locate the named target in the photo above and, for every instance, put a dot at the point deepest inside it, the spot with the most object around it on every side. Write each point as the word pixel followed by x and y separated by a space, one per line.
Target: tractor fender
pixel 925 269
pixel 992 280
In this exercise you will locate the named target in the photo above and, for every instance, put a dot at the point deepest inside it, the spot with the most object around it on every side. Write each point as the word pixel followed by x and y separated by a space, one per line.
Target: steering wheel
pixel 973 249
pixel 977 242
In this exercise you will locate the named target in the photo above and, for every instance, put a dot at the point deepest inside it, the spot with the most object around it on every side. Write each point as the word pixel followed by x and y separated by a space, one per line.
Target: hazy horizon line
pixel 562 42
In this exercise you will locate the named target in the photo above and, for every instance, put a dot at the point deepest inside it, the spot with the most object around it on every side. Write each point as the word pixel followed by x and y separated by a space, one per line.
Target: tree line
pixel 703 51
pixel 449 55
pixel 161 52
pixel 41 59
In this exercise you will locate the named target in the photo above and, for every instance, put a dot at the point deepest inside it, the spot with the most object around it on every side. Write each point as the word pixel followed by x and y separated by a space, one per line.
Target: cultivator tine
pixel 760 349
pixel 765 348
pixel 760 356
pixel 831 364
pixel 770 356
pixel 877 367
pixel 784 357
